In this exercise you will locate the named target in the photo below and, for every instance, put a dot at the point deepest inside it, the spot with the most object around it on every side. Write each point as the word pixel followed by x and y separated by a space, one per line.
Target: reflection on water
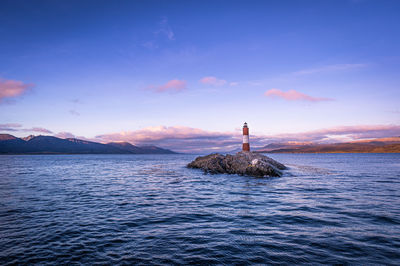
pixel 150 209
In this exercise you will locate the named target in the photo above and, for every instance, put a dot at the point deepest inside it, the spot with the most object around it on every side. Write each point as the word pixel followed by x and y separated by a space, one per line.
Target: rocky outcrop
pixel 242 163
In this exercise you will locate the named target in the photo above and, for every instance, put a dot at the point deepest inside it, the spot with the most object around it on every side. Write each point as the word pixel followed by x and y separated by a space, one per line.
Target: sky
pixel 186 75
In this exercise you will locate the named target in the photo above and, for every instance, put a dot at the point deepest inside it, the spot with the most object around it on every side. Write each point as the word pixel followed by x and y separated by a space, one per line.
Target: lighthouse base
pixel 246 147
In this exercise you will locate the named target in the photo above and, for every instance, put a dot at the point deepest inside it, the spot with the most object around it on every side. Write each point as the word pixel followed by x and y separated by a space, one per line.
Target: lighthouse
pixel 246 144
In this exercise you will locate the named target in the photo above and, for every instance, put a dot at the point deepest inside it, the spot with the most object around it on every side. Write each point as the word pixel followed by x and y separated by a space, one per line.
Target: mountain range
pixel 380 145
pixel 10 144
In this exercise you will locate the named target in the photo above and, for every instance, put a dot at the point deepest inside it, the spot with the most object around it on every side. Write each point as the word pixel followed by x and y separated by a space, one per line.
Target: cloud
pixel 336 134
pixel 69 135
pixel 346 133
pixel 76 101
pixel 330 68
pixel 213 81
pixel 15 127
pixel 174 85
pixel 73 112
pixel 292 95
pixel 12 88
pixel 10 127
pixel 162 132
pixel 150 45
pixel 65 135
pixel 163 32
pixel 38 129
pixel 178 138
pixel 165 29
pixel 233 83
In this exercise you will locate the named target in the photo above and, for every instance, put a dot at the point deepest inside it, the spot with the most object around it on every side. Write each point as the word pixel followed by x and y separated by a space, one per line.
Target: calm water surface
pixel 150 209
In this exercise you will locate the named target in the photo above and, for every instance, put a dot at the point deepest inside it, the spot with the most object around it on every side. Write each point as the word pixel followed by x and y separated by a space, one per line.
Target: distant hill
pixel 140 149
pixel 126 146
pixel 382 145
pixel 53 145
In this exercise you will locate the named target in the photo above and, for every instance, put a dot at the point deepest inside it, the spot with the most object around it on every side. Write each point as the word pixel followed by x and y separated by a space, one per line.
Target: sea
pixel 152 210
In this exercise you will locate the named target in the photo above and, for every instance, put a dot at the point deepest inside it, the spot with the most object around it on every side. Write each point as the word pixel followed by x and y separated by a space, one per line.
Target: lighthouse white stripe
pixel 245 138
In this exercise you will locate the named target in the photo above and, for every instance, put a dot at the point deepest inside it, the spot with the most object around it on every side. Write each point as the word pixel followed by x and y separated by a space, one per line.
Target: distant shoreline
pixel 337 152
pixel 48 153
pixel 4 154
pixel 380 145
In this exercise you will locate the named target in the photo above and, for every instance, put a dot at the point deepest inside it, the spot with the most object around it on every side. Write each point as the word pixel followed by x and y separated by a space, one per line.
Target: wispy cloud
pixel 162 33
pixel 329 68
pixel 174 85
pixel 69 135
pixel 213 81
pixel 38 130
pixel 341 133
pixel 76 101
pixel 10 127
pixel 293 95
pixel 74 112
pixel 150 45
pixel 165 29
pixel 179 138
pixel 12 88
pixel 64 135
pixel 15 127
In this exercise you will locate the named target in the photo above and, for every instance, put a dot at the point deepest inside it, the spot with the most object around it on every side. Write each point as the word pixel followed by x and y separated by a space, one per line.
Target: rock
pixel 242 163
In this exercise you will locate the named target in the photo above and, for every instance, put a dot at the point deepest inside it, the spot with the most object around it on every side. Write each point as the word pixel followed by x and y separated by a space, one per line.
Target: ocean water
pixel 150 209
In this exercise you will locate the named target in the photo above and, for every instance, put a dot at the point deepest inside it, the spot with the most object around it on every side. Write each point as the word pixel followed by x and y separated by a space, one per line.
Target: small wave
pixel 311 170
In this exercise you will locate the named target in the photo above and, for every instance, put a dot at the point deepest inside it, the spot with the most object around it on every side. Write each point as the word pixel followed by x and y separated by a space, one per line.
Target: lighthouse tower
pixel 246 144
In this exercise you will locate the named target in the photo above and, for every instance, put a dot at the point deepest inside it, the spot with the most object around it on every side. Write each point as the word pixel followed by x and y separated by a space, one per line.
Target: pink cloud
pixel 69 135
pixel 174 85
pixel 12 88
pixel 158 133
pixel 292 95
pixel 65 135
pixel 178 138
pixel 358 132
pixel 39 129
pixel 340 134
pixel 10 127
pixel 18 127
pixel 213 81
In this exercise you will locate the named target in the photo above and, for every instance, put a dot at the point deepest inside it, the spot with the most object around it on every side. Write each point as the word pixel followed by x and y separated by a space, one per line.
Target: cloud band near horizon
pixel 194 140
pixel 186 139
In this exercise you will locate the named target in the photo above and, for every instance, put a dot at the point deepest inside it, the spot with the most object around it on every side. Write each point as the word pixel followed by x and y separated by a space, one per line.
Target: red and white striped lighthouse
pixel 246 144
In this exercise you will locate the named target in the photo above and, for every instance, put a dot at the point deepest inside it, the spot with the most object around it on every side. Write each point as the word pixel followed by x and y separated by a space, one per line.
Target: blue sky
pixel 195 69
